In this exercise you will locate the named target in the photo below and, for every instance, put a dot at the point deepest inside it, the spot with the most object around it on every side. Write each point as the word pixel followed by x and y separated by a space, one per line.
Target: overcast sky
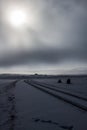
pixel 53 39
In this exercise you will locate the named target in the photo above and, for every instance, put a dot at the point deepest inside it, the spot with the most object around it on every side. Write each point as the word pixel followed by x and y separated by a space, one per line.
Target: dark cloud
pixel 42 57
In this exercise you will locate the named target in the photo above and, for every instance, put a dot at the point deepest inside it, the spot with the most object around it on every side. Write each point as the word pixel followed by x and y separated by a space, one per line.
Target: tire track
pixel 61 90
pixel 56 94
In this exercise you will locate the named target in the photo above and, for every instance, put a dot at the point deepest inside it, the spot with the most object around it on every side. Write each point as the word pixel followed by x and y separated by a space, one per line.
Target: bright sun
pixel 17 17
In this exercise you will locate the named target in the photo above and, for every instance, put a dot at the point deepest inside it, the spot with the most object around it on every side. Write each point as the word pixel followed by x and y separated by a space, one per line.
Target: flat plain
pixel 44 103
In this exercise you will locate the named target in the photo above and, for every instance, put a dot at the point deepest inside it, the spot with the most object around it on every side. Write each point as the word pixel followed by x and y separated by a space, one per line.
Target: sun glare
pixel 17 17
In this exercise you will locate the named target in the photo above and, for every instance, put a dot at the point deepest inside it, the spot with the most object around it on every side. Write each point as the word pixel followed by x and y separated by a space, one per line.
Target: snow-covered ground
pixel 22 106
pixel 78 84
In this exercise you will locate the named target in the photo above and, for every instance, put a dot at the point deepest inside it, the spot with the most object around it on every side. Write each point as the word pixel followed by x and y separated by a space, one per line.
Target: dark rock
pixel 59 81
pixel 68 81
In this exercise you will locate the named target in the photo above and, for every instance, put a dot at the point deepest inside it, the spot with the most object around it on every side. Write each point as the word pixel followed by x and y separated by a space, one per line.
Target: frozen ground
pixel 24 106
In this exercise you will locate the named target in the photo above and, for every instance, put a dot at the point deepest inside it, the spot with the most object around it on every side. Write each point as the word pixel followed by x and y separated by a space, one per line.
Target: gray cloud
pixel 59 35
pixel 42 57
